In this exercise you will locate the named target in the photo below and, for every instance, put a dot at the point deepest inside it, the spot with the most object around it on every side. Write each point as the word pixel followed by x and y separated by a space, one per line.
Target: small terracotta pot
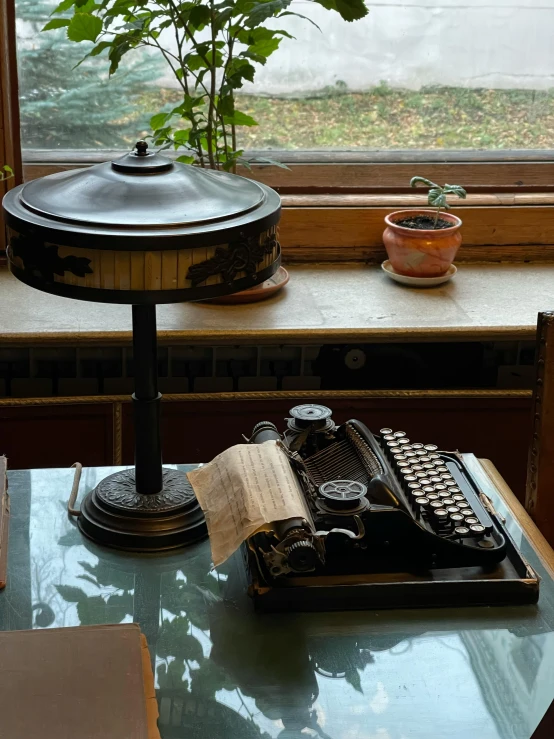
pixel 421 253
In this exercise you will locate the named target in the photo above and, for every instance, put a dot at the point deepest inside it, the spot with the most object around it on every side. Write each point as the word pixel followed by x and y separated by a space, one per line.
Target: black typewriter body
pixel 381 507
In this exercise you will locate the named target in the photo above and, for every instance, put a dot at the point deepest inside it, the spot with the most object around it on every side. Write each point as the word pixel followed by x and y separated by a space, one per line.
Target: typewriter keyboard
pixel 436 489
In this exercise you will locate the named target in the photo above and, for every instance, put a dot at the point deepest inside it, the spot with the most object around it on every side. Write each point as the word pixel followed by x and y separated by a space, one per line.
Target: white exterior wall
pixel 412 44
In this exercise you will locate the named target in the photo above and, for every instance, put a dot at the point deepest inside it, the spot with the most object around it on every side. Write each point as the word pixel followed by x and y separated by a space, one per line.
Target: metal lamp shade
pixel 143 230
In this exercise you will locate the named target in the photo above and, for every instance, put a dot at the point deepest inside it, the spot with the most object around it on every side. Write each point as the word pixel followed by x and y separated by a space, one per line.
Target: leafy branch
pixel 436 196
pixel 5 173
pixel 213 48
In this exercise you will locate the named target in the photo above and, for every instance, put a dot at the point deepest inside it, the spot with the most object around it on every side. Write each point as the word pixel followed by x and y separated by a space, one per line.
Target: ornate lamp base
pixel 115 515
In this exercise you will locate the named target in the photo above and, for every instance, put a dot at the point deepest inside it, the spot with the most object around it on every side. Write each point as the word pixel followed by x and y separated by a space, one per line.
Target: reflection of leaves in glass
pixel 96 610
pixel 352 677
pixel 175 640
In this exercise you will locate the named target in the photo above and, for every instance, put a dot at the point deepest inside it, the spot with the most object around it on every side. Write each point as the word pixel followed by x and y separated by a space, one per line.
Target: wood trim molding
pixel 539 500
pixel 532 531
pixel 10 144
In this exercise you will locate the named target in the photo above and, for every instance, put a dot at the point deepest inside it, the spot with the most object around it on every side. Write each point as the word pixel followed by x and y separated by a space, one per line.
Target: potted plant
pixel 424 243
pixel 211 48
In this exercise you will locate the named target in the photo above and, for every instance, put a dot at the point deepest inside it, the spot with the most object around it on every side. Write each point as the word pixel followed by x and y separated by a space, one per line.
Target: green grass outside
pixel 435 118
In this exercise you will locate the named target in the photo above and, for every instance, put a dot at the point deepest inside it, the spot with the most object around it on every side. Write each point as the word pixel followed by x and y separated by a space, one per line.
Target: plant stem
pixel 214 161
pixel 437 218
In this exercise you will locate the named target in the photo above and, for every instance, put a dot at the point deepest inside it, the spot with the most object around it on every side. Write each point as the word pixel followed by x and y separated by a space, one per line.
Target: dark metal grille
pixel 350 459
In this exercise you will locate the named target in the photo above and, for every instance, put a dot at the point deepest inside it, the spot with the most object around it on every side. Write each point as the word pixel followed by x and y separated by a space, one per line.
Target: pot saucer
pixel 387 267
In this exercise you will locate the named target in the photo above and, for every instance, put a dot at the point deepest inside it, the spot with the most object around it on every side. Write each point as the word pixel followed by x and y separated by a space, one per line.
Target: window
pixel 454 90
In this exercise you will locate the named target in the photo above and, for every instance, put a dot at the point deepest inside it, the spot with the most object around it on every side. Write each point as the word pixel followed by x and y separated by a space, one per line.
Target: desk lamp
pixel 143 230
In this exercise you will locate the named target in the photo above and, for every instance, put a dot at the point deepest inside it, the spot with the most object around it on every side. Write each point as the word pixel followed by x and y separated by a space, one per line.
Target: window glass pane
pixel 422 74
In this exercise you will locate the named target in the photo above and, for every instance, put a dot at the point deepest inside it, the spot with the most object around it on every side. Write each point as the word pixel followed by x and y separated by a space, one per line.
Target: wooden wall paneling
pixel 10 145
pixel 540 477
pixel 39 436
pixel 494 428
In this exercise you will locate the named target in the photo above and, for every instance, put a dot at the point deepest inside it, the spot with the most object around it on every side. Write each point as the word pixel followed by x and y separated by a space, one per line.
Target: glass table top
pixel 225 672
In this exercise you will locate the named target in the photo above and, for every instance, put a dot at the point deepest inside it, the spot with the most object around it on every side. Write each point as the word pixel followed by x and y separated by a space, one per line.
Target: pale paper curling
pixel 242 491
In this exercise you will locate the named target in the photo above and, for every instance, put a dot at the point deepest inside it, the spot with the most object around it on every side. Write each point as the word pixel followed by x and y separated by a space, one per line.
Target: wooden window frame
pixel 335 201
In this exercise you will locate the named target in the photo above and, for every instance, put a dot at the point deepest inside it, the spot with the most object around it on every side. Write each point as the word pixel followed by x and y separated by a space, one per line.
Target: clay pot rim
pixel 427 233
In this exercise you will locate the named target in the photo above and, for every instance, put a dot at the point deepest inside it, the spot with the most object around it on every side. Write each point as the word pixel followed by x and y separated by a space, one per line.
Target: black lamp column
pixel 146 402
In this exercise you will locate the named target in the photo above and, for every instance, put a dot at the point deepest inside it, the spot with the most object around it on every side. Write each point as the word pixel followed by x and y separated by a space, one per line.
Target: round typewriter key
pixel 441 514
pixel 436 504
pixel 452 508
pixel 442 468
pixel 448 501
pixel 410 478
pixel 449 483
pixel 434 479
pixel 431 496
pixel 446 475
pixel 472 521
pixel 425 482
pixel 403 465
pixel 406 448
pixel 407 472
pixel 455 490
pixel 414 486
pixel 398 434
pixel 422 501
pixel 416 467
pixel 440 486
pixel 461 530
pixel 420 475
pixel 429 489
pixel 458 496
pixel 393 444
pixel 456 518
pixel 389 437
pixel 420 452
pixel 410 455
pixel 431 447
pixel 434 456
pixel 417 445
pixel 399 457
pixel 385 431
pixel 426 460
pixel 443 495
pixel 476 528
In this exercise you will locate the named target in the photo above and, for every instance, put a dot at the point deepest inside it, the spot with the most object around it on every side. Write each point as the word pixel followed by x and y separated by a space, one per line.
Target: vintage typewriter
pixel 392 522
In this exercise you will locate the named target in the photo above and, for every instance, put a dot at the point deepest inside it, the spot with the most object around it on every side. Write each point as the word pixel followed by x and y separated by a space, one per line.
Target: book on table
pixel 90 682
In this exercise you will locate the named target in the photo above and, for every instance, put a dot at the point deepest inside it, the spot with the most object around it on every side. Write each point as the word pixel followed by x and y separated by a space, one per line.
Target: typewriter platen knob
pixel 302 556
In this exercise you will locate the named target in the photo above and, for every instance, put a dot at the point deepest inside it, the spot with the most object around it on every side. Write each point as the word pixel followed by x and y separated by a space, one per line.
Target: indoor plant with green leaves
pixel 421 242
pixel 211 48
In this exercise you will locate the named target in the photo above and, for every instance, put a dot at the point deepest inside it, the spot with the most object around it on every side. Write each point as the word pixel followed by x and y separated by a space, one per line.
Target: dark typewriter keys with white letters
pixel 385 431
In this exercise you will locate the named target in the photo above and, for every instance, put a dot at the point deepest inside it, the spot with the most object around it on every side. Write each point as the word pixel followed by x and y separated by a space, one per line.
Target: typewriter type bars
pixel 349 459
pixel 436 489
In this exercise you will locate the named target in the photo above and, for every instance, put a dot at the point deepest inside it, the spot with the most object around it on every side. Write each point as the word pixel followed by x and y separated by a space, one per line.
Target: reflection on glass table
pixel 225 672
